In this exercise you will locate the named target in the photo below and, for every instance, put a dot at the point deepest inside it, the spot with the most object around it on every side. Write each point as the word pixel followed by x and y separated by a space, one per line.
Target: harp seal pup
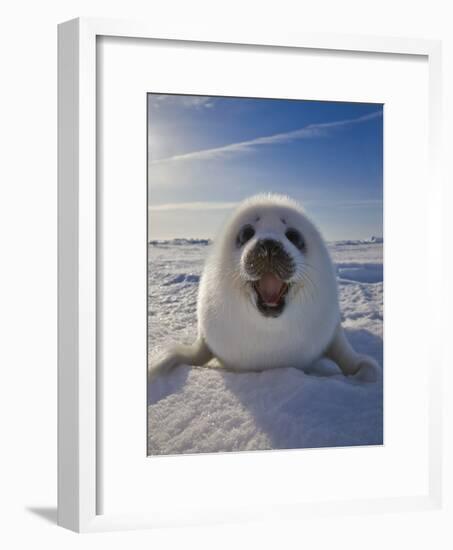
pixel 268 297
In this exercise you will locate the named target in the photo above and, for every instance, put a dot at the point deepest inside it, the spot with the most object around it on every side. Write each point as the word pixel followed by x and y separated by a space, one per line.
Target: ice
pixel 196 409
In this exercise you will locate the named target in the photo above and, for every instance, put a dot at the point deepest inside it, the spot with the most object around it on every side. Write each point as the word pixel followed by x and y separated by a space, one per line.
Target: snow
pixel 196 409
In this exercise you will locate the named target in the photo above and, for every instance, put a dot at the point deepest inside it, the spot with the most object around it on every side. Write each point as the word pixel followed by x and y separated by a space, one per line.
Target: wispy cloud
pixel 212 205
pixel 189 101
pixel 219 205
pixel 307 132
pixel 351 203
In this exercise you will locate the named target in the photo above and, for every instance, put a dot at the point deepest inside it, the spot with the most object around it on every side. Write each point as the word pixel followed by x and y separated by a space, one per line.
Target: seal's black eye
pixel 245 234
pixel 296 238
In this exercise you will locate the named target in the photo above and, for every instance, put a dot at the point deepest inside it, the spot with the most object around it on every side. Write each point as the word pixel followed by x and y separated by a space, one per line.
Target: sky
pixel 206 154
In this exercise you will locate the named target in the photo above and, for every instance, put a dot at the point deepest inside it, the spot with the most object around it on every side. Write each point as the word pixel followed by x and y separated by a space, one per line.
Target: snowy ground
pixel 195 410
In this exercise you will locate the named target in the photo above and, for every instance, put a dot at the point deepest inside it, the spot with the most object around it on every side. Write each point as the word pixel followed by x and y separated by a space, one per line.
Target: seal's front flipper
pixel 361 367
pixel 197 354
pixel 367 370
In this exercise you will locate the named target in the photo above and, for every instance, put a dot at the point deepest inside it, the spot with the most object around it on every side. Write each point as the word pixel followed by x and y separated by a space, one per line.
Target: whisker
pixel 310 286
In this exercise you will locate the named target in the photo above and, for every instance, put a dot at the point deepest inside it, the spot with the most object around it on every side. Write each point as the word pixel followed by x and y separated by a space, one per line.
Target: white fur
pixel 233 328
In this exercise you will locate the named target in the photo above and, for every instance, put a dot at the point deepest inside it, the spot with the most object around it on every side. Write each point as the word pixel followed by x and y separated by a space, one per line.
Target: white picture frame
pixel 79 387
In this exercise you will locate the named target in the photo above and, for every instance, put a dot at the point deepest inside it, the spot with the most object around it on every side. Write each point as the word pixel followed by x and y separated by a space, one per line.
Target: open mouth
pixel 270 291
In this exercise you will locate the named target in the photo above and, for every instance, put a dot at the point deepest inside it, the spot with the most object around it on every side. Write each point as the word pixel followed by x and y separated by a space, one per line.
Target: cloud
pixel 352 203
pixel 192 206
pixel 189 101
pixel 219 205
pixel 307 132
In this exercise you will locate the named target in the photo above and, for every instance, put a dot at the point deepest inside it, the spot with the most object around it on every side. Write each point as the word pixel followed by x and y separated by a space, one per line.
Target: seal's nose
pixel 269 256
pixel 268 248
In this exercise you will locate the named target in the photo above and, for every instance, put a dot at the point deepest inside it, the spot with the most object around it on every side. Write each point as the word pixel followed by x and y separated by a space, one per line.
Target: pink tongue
pixel 269 287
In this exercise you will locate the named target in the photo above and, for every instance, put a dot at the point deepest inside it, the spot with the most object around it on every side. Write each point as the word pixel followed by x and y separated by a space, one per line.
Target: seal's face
pixel 271 249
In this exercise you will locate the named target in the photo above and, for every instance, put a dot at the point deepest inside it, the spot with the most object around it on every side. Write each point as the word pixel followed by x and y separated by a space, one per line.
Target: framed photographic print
pixel 234 221
pixel 241 282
